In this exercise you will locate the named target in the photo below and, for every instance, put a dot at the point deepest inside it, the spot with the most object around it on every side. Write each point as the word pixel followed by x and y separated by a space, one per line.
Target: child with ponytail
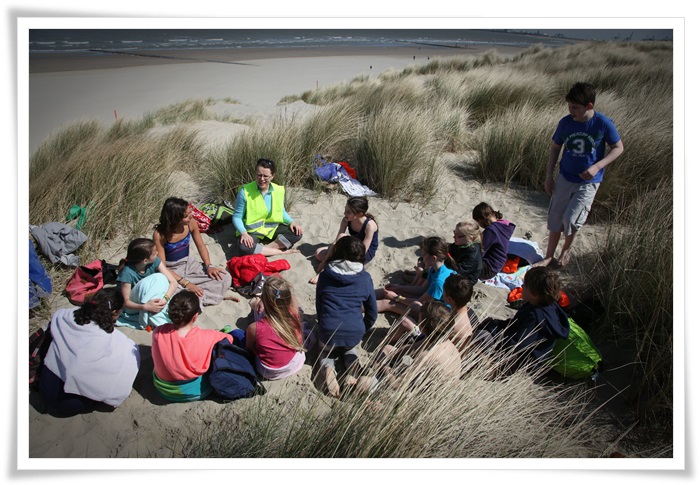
pixel 276 337
pixel 494 240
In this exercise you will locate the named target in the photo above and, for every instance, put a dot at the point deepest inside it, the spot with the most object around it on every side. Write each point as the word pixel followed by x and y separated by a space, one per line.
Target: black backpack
pixel 232 373
pixel 39 343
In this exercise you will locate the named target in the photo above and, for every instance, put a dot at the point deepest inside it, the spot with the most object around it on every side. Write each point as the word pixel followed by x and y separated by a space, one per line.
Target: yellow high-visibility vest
pixel 257 219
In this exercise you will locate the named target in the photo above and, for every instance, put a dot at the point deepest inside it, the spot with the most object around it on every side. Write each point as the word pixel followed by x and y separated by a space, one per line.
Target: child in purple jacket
pixel 494 239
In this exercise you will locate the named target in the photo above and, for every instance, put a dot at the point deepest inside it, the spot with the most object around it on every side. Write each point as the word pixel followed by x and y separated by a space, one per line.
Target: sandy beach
pixel 65 88
pixel 93 88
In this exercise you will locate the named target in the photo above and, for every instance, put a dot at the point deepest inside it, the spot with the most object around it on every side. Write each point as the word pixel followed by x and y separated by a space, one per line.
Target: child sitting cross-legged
pixel 182 351
pixel 529 337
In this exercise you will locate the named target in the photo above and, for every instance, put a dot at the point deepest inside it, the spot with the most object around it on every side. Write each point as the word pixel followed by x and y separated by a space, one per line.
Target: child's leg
pixel 565 255
pixel 579 207
pixel 327 363
pixel 552 243
pixel 406 325
pixel 352 366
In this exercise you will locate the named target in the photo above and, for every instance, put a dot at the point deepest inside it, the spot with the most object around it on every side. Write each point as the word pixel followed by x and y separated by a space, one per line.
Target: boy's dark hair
pixel 581 93
pixel 349 248
pixel 265 163
pixel 99 309
pixel 183 306
pixel 171 214
pixel 543 283
pixel 459 288
pixel 483 211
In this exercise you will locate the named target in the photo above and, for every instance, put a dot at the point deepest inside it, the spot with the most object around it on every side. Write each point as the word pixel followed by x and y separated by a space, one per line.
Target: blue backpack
pixel 232 374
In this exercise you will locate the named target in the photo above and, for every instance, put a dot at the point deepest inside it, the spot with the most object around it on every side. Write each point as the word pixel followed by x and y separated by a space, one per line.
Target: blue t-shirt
pixel 584 144
pixel 436 281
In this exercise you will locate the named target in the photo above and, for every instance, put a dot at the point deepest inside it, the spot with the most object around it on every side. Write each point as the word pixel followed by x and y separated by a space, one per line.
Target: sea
pixel 47 41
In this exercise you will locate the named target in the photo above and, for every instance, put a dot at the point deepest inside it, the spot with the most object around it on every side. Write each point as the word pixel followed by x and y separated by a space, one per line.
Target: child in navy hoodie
pixel 346 307
pixel 531 334
pixel 494 239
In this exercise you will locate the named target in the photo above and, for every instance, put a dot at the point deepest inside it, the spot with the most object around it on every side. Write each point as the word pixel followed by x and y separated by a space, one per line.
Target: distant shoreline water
pixel 97 41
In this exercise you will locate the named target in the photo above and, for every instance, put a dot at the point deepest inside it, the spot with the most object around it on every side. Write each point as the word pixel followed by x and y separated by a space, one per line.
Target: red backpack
pixel 85 282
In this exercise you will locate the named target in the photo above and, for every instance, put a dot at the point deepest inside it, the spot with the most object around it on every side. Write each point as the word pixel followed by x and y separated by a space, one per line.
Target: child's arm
pixel 212 271
pixel 369 234
pixel 172 287
pixel 343 228
pixel 616 150
pixel 370 306
pixel 554 152
pixel 250 338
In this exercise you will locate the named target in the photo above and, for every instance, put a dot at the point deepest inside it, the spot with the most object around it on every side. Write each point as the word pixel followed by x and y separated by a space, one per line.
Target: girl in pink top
pixel 181 351
pixel 276 338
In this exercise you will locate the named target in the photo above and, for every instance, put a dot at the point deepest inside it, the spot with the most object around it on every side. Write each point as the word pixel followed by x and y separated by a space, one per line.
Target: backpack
pixel 232 374
pixel 220 214
pixel 576 356
pixel 39 343
pixel 85 282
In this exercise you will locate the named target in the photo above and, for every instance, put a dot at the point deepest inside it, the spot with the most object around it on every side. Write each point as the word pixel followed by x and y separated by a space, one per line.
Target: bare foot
pixel 290 251
pixel 231 298
pixel 314 280
pixel 331 383
pixel 544 262
pixel 565 258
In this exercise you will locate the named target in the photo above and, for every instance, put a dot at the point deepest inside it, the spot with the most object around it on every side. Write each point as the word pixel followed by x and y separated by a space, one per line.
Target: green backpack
pixel 576 356
pixel 220 214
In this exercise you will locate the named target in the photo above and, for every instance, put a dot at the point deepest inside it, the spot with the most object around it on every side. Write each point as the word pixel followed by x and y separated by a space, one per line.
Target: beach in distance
pixel 69 87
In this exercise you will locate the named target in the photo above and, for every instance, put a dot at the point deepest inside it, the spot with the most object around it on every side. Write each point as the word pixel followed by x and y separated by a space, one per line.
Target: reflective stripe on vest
pixel 256 218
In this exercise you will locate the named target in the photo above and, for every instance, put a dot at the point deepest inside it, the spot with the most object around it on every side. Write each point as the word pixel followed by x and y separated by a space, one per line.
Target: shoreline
pixel 92 60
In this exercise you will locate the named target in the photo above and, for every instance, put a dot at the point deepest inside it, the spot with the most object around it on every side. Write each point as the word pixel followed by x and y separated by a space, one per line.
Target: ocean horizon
pixel 96 41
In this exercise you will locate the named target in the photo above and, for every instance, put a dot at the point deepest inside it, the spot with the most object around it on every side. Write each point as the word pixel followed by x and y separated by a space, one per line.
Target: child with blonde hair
pixel 466 249
pixel 276 338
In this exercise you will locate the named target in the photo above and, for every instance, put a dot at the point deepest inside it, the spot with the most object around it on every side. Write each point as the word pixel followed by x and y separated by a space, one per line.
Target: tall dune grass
pixel 291 143
pixel 634 281
pixel 122 182
pixel 398 152
pixel 421 415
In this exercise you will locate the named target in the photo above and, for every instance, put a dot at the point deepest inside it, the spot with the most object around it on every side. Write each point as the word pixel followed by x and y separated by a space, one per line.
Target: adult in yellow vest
pixel 260 219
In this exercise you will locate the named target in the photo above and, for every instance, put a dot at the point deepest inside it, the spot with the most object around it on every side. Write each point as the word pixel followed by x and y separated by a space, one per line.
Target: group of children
pixel 163 286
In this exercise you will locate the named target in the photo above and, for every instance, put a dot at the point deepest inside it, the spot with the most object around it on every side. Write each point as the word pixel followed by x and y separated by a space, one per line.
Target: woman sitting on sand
pixel 88 363
pixel 358 223
pixel 261 221
pixel 172 237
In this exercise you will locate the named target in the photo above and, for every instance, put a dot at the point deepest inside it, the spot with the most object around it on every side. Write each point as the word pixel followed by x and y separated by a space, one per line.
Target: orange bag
pixel 512 265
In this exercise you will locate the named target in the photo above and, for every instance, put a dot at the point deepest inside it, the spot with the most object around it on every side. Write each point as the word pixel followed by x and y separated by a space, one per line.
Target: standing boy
pixel 583 134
